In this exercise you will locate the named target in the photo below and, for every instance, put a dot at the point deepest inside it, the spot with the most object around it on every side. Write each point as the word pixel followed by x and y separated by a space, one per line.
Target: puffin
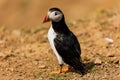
pixel 63 42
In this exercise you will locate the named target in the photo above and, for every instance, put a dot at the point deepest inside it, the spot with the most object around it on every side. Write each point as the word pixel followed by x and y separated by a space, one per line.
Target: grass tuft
pixel 40 73
pixel 85 58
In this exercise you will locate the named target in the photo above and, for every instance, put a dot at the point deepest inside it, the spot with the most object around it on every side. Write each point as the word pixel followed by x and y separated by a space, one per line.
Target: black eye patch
pixel 56 13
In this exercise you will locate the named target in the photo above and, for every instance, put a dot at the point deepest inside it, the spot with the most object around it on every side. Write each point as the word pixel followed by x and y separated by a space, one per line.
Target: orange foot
pixel 62 69
pixel 56 72
pixel 65 68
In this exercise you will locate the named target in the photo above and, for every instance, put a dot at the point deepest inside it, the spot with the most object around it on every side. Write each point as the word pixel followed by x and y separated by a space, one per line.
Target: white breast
pixel 51 37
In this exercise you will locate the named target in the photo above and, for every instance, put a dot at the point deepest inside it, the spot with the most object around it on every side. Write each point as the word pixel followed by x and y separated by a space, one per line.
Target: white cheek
pixel 56 18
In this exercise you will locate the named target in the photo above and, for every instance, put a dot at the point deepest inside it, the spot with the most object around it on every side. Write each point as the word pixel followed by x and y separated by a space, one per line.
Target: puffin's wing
pixel 67 46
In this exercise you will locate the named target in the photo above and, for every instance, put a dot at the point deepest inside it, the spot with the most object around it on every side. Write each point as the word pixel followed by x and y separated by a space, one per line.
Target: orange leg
pixel 61 69
pixel 58 71
pixel 65 68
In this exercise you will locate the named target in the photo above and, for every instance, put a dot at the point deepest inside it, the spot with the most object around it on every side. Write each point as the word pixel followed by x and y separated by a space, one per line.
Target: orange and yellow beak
pixel 46 19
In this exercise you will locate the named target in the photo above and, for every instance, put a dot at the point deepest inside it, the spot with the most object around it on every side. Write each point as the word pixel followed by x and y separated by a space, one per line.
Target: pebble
pixel 42 67
pixel 24 55
pixel 2 55
pixel 16 32
pixel 109 40
pixel 117 66
pixel 11 69
pixel 110 55
pixel 35 62
pixel 40 78
pixel 1 41
pixel 98 61
pixel 117 62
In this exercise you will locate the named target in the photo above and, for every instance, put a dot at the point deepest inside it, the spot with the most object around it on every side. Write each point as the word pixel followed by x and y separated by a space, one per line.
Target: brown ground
pixel 25 53
pixel 29 13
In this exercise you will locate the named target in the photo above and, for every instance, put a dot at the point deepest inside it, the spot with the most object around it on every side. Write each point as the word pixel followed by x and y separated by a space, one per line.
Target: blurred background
pixel 29 13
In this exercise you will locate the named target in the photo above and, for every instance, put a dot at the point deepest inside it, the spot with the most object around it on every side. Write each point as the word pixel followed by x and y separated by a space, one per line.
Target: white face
pixel 55 16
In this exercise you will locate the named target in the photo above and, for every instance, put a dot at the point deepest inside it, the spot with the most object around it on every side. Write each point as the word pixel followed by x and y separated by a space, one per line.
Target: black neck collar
pixel 60 27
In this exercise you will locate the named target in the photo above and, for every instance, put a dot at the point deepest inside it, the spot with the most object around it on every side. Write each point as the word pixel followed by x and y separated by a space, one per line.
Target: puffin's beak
pixel 46 19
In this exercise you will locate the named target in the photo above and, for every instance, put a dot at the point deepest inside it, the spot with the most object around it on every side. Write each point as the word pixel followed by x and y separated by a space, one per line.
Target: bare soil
pixel 25 54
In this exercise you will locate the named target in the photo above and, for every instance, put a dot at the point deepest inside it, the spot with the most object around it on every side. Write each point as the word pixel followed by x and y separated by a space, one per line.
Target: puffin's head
pixel 54 15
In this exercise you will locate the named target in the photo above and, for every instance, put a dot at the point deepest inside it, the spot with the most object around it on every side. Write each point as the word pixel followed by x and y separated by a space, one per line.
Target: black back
pixel 67 44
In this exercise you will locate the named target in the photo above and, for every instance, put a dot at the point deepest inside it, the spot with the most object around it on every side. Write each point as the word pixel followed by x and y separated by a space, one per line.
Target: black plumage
pixel 63 42
pixel 67 45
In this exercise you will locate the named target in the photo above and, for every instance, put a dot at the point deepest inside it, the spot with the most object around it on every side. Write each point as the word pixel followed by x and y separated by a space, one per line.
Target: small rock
pixel 11 69
pixel 40 78
pixel 42 67
pixel 1 41
pixel 35 62
pixel 24 55
pixel 117 62
pixel 109 40
pixel 98 61
pixel 16 32
pixel 117 66
pixel 110 55
pixel 2 55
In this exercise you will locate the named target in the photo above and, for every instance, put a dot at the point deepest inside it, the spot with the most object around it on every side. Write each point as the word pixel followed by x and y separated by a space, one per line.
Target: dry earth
pixel 25 54
pixel 28 13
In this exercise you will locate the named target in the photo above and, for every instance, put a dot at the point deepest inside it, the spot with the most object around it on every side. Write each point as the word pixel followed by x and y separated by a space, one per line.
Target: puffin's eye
pixel 56 13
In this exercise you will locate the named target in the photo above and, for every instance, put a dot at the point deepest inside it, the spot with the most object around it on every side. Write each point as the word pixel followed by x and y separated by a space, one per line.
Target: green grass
pixel 34 30
pixel 70 24
pixel 50 62
pixel 85 19
pixel 110 61
pixel 91 67
pixel 2 29
pixel 57 77
pixel 85 58
pixel 40 73
pixel 26 31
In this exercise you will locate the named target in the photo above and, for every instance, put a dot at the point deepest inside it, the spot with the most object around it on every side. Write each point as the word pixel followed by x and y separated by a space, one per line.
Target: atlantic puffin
pixel 63 42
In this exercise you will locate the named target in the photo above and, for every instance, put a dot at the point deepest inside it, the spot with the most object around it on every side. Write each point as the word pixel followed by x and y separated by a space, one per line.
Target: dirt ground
pixel 26 54
pixel 29 13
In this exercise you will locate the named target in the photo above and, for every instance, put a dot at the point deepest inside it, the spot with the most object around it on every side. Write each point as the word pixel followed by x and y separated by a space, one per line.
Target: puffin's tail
pixel 78 65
